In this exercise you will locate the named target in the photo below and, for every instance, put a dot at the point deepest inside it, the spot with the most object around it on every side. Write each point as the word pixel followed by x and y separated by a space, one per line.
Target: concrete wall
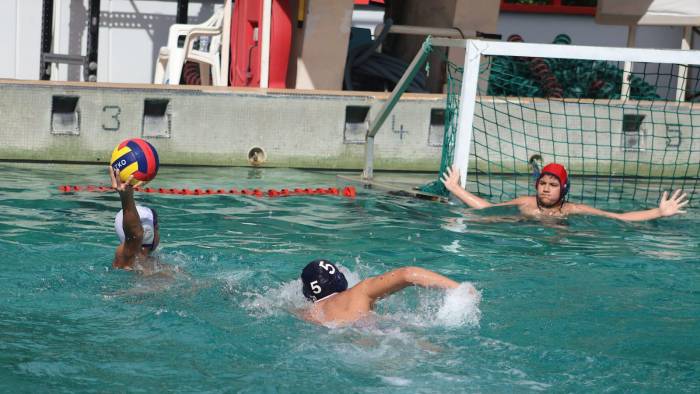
pixel 216 126
pixel 321 47
pixel 82 122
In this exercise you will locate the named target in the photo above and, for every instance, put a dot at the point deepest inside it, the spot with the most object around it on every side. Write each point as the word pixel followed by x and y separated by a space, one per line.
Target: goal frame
pixel 476 49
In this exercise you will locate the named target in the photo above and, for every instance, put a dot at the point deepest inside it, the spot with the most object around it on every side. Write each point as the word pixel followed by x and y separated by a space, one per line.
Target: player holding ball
pixel 134 162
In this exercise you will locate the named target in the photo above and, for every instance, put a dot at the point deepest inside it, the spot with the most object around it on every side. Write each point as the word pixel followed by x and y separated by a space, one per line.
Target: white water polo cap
pixel 149 222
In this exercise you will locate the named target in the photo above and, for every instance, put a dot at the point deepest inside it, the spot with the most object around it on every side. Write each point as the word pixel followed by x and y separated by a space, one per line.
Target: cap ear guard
pixel 320 279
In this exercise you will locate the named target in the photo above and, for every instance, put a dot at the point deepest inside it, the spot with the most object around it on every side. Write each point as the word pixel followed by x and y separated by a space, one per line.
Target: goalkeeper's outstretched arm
pixel 668 206
pixel 451 181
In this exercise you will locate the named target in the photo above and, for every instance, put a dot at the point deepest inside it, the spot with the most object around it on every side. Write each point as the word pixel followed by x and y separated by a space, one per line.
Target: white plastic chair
pixel 172 58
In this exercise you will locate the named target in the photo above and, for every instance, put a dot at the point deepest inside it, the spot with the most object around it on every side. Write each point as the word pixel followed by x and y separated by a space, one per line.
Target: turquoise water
pixel 581 305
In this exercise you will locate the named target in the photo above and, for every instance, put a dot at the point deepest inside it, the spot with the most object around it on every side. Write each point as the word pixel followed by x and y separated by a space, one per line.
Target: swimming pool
pixel 587 304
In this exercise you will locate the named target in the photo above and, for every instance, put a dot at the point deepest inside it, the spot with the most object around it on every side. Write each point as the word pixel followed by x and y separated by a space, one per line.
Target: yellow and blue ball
pixel 135 157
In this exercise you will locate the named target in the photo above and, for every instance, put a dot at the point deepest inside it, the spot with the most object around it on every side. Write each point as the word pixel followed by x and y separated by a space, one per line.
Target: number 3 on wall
pixel 110 120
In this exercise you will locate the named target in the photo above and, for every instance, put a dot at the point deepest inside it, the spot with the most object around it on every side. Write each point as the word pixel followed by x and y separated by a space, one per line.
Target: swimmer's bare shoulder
pixel 358 302
pixel 342 308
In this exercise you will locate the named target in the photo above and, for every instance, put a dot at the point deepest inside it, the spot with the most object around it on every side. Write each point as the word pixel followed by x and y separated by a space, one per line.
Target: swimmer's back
pixel 341 308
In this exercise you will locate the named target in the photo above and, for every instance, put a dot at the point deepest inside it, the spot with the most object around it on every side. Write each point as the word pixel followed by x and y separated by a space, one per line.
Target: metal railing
pixel 375 124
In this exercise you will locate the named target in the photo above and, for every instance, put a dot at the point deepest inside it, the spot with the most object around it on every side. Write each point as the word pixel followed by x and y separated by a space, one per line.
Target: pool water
pixel 581 305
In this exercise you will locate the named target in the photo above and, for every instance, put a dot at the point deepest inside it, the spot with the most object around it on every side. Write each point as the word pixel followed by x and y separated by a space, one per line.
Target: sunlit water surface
pixel 584 305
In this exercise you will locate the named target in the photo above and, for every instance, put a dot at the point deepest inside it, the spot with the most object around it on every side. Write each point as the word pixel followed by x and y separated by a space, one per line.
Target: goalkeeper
pixel 551 188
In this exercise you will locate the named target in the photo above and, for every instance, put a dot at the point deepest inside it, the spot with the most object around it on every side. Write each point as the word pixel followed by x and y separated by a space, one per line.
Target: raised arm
pixel 451 181
pixel 126 253
pixel 392 281
pixel 668 206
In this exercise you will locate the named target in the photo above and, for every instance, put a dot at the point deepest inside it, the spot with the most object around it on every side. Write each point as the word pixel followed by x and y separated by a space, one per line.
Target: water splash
pixel 460 307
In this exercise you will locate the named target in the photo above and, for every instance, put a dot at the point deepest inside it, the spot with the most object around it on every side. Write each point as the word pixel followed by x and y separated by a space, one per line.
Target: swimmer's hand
pixel 120 186
pixel 451 178
pixel 451 181
pixel 673 205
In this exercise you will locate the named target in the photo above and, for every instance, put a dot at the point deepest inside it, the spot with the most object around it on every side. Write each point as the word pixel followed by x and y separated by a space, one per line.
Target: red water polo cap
pixel 558 171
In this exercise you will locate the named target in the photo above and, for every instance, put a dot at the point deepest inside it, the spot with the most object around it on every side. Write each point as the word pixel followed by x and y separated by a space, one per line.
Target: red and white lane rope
pixel 347 191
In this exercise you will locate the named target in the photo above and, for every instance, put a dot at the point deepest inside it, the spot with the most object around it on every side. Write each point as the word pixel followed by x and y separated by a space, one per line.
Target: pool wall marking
pixel 82 122
pixel 194 125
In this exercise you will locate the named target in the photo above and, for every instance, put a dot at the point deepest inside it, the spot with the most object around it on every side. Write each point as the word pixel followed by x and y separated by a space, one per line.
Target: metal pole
pixel 55 37
pixel 226 42
pixel 368 172
pixel 46 38
pixel 682 79
pixel 265 44
pixel 90 67
pixel 181 16
pixel 399 89
pixel 424 31
pixel 627 68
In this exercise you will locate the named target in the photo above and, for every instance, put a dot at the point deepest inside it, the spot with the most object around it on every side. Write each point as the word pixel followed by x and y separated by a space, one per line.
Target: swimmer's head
pixel 552 185
pixel 149 222
pixel 320 279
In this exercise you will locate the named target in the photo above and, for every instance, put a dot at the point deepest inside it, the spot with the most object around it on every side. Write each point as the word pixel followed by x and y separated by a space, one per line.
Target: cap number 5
pixel 315 287
pixel 327 267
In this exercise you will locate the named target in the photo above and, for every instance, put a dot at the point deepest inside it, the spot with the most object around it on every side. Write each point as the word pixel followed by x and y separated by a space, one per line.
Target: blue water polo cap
pixel 320 279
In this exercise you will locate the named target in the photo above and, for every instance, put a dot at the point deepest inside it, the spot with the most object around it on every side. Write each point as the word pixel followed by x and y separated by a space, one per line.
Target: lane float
pixel 347 191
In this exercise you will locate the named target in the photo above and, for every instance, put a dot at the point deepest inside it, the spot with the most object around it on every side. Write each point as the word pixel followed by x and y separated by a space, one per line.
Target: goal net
pixel 623 121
